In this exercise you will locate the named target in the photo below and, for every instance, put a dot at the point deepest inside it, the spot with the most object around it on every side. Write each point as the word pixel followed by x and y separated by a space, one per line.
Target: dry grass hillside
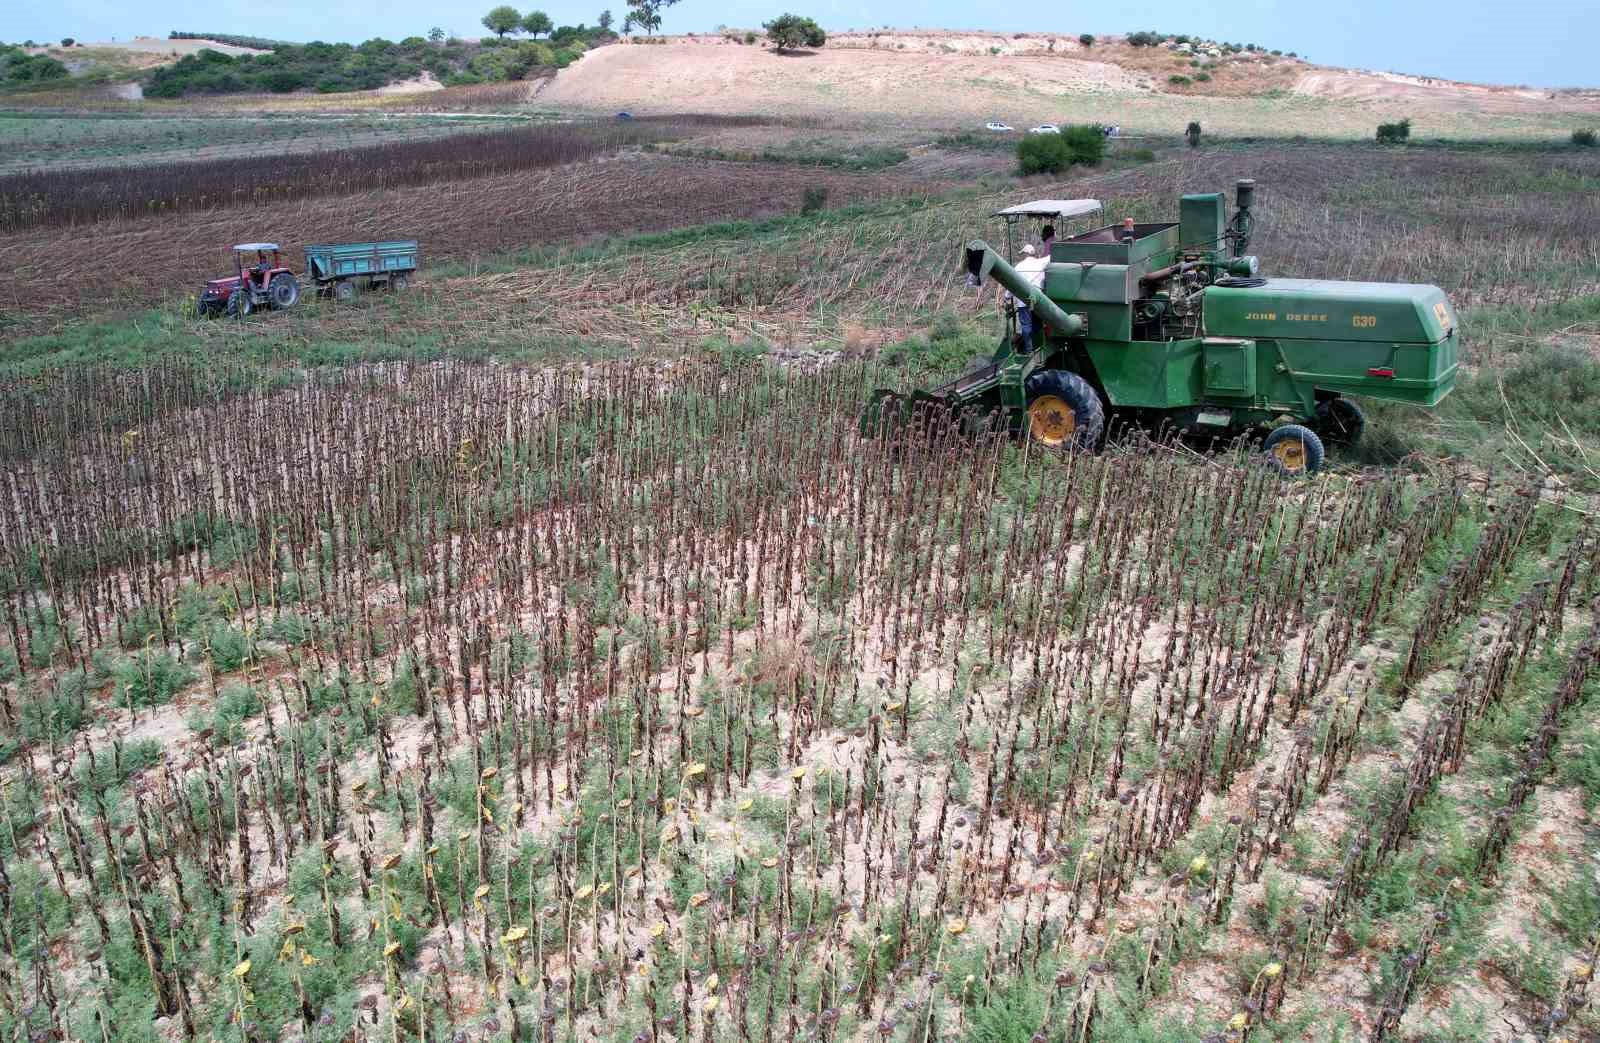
pixel 946 78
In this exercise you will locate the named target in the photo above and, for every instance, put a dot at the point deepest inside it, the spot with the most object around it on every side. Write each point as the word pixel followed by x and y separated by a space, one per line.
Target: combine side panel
pixel 1393 341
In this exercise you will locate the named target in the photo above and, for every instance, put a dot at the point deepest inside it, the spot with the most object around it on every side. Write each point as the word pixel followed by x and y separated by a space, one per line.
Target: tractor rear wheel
pixel 344 290
pixel 285 290
pixel 1339 421
pixel 1064 411
pixel 1293 451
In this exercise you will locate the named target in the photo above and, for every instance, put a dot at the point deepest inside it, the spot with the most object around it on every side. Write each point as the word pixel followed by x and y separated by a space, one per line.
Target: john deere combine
pixel 1170 325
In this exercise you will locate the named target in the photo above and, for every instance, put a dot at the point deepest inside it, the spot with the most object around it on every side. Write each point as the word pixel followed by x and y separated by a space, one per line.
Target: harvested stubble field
pixel 447 701
pixel 456 220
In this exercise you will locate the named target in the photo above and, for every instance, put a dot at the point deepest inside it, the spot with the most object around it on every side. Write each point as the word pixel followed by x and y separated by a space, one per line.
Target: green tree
pixel 1191 134
pixel 646 14
pixel 537 23
pixel 605 19
pixel 503 19
pixel 1087 39
pixel 67 41
pixel 791 31
pixel 436 35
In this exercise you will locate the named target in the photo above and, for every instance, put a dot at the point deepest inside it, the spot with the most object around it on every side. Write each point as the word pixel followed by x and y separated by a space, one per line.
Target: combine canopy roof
pixel 246 247
pixel 1059 208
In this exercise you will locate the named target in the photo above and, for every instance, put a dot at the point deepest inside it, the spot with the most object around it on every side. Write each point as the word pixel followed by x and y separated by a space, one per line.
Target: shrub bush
pixel 151 678
pixel 814 199
pixel 789 32
pixel 1585 138
pixel 1202 77
pixel 333 68
pixel 18 68
pixel 1394 133
pixel 1191 134
pixel 1087 39
pixel 1083 145
pixel 1179 81
pixel 67 41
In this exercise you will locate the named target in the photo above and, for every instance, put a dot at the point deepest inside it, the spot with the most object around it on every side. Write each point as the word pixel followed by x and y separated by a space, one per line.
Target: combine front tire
pixel 1293 451
pixel 1064 411
pixel 1340 422
pixel 285 290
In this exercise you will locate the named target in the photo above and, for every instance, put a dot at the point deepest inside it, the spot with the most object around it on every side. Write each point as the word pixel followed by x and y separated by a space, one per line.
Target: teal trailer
pixel 343 269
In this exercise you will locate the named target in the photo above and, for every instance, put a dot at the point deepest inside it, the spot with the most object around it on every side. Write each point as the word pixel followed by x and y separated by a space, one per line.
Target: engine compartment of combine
pixel 1175 321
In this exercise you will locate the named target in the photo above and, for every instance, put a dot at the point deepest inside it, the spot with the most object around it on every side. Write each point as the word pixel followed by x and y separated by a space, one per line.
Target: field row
pixel 654 701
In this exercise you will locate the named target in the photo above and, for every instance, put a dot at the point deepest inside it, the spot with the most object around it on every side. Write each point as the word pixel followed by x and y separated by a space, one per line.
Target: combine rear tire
pixel 1064 411
pixel 1340 422
pixel 1293 451
pixel 285 290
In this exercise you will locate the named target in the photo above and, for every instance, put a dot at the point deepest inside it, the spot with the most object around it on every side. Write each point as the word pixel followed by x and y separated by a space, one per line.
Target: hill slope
pixel 952 79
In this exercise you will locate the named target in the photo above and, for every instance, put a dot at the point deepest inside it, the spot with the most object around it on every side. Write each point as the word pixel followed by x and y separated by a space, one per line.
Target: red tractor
pixel 258 284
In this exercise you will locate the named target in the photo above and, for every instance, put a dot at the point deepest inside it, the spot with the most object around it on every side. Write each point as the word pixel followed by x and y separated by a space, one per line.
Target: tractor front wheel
pixel 1339 421
pixel 1064 411
pixel 238 303
pixel 285 290
pixel 1293 451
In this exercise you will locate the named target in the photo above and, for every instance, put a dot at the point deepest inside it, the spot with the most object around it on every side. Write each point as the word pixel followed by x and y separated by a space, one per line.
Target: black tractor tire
pixel 204 310
pixel 284 290
pixel 1064 411
pixel 344 290
pixel 239 305
pixel 1293 451
pixel 1339 422
pixel 399 281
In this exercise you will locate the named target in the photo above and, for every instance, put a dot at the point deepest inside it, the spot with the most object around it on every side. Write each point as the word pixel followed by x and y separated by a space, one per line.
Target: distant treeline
pixel 257 43
pixel 336 67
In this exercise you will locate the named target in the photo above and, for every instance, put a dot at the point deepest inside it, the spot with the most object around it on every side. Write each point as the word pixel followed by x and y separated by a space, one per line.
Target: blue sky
pixel 1543 43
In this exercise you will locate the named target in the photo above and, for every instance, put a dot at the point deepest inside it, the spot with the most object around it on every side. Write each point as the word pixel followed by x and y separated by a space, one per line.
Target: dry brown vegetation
pixel 406 700
pixel 455 221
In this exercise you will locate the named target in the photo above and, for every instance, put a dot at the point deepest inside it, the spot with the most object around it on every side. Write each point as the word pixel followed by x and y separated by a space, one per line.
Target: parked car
pixel 997 126
pixel 1045 128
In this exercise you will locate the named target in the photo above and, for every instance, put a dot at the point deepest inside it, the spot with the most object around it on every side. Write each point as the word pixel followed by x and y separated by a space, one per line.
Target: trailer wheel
pixel 1064 411
pixel 344 290
pixel 398 282
pixel 1293 451
pixel 1339 421
pixel 285 291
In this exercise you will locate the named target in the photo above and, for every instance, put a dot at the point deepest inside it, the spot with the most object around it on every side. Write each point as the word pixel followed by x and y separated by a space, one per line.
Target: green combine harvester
pixel 1168 325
